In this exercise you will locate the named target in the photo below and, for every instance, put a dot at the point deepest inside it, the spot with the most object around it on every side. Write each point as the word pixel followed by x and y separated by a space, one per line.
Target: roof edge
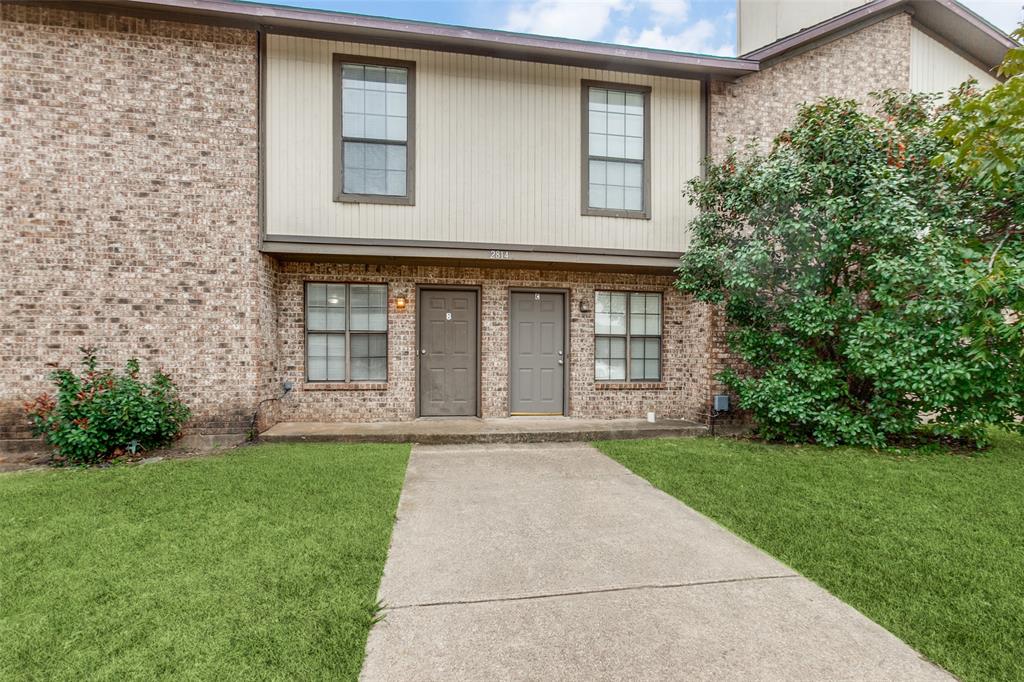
pixel 981 40
pixel 439 37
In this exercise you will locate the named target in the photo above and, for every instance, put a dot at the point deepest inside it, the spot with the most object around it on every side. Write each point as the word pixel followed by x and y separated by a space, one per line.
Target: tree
pixel 985 133
pixel 838 258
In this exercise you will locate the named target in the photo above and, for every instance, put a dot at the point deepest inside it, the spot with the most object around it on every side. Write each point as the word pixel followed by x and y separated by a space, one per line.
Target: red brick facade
pixel 128 150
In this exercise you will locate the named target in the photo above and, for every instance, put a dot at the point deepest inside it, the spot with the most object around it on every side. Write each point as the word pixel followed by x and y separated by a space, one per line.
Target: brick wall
pixel 128 154
pixel 758 107
pixel 685 333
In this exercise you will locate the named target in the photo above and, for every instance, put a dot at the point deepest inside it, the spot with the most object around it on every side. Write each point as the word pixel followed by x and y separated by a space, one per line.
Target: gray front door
pixel 537 374
pixel 449 360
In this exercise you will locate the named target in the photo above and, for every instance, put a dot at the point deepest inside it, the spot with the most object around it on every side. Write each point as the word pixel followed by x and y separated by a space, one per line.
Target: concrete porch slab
pixel 466 430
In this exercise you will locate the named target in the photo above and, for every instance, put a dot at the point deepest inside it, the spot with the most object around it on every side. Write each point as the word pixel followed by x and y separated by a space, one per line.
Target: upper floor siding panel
pixel 762 22
pixel 497 153
pixel 936 68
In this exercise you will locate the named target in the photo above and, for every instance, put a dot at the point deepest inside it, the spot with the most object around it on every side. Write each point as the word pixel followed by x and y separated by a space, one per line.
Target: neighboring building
pixel 403 219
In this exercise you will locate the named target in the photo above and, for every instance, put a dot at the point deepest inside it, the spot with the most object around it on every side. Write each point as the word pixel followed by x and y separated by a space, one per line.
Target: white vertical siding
pixel 497 153
pixel 936 68
pixel 761 22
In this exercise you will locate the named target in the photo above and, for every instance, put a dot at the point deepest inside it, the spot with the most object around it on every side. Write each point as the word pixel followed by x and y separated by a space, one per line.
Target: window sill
pixel 389 199
pixel 343 386
pixel 630 386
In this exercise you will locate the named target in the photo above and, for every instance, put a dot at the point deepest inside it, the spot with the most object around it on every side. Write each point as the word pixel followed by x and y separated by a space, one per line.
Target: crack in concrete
pixel 602 590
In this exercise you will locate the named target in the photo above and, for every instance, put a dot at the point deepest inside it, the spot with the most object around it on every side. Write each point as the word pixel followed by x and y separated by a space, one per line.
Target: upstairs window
pixel 346 332
pixel 373 130
pixel 616 150
pixel 627 343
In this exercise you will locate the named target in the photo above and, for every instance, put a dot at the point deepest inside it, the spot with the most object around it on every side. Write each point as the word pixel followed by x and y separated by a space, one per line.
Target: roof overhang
pixel 947 20
pixel 429 36
pixel 469 254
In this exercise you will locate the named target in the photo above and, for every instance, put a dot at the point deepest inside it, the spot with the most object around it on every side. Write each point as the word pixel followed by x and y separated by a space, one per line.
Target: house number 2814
pixel 498 254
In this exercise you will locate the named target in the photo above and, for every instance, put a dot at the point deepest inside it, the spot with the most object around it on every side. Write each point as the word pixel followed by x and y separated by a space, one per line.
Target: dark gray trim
pixel 566 341
pixel 261 123
pixel 458 255
pixel 585 208
pixel 538 262
pixel 337 60
pixel 479 289
pixel 705 126
pixel 476 246
pixel 440 37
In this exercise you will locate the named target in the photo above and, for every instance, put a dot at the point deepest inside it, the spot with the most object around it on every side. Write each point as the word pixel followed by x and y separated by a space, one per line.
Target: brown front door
pixel 448 352
pixel 537 353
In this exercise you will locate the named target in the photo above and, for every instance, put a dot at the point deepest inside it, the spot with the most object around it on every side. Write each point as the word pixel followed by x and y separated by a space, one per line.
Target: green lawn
pixel 260 564
pixel 930 546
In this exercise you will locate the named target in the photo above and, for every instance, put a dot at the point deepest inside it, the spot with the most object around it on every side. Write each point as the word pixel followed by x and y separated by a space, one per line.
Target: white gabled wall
pixel 936 68
pixel 497 153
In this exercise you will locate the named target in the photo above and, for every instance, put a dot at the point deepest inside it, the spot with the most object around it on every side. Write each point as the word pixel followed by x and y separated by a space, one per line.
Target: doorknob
pixel 423 351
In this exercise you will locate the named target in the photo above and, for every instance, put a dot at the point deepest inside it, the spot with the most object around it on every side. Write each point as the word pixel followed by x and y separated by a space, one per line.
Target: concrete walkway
pixel 553 562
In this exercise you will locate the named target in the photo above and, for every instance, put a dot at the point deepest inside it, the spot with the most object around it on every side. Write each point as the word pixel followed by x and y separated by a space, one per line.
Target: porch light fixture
pixel 400 303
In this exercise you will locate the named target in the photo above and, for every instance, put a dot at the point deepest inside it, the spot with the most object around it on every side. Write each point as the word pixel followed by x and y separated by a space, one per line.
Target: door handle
pixel 423 351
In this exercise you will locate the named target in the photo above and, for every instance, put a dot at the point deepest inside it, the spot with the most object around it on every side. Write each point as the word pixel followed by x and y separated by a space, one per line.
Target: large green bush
pixel 839 259
pixel 985 135
pixel 102 414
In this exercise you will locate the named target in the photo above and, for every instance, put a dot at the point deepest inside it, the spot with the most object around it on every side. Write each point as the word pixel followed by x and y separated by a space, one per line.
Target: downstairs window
pixel 627 336
pixel 346 332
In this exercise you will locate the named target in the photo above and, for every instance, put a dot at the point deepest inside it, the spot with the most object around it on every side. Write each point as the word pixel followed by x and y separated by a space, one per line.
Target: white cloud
pixel 666 23
pixel 670 10
pixel 583 19
pixel 702 37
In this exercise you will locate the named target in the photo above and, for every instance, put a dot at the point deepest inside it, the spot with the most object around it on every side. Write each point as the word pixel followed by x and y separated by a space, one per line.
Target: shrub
pixel 102 414
pixel 839 258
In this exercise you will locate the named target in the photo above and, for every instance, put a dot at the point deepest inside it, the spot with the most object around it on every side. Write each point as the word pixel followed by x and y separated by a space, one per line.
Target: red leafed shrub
pixel 102 413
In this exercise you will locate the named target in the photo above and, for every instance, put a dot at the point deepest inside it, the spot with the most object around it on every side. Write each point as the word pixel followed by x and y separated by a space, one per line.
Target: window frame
pixel 629 336
pixel 409 198
pixel 585 208
pixel 347 333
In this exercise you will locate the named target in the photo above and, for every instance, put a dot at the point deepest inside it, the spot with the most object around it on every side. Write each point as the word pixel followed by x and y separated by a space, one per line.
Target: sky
pixel 702 26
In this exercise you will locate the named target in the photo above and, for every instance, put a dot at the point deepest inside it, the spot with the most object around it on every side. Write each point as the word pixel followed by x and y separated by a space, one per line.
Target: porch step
pixel 457 431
